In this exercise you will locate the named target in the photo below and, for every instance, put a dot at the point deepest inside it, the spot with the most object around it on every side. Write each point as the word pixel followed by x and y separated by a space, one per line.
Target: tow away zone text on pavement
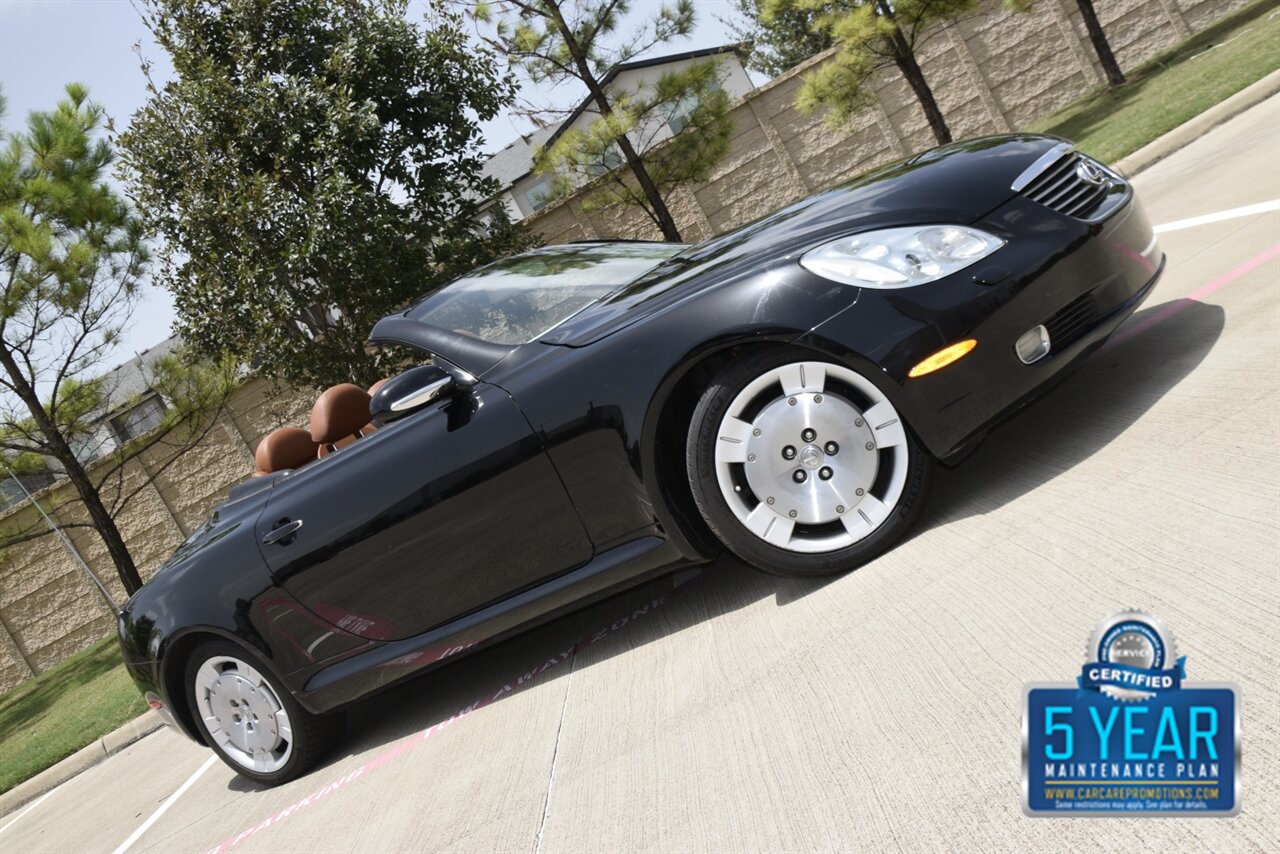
pixel 410 742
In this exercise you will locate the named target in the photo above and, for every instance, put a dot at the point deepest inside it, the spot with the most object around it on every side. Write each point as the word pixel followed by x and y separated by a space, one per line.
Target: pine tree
pixel 871 34
pixel 689 99
pixel 1101 46
pixel 554 43
pixel 72 256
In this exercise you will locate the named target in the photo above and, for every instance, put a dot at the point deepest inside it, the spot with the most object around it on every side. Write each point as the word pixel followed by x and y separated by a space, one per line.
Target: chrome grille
pixel 1074 185
pixel 1069 324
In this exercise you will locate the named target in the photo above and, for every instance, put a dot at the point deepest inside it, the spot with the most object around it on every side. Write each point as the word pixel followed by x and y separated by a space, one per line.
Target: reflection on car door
pixel 423 521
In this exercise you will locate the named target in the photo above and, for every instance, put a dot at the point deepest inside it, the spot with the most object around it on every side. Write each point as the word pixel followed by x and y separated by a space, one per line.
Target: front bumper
pixel 1081 279
pixel 145 670
pixel 145 675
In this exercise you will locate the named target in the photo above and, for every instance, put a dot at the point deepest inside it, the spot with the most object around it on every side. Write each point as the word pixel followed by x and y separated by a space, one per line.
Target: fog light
pixel 1033 345
pixel 943 357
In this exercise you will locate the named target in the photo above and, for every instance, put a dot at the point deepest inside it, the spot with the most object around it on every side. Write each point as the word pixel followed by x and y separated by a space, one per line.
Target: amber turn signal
pixel 944 357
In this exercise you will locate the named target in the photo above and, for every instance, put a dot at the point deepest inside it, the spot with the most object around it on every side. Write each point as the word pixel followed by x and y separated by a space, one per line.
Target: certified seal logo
pixel 1131 736
pixel 1128 658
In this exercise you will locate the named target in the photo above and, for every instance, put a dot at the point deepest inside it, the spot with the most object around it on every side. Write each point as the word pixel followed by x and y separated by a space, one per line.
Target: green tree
pixel 73 255
pixel 313 165
pixel 781 41
pixel 871 34
pixel 688 101
pixel 555 43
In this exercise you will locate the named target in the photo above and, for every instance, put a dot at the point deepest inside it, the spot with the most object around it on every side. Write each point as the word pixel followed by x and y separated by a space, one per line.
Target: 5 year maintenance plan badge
pixel 1130 737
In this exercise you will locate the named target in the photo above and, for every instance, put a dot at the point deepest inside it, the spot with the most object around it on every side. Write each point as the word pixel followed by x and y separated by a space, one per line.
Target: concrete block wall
pixel 48 607
pixel 992 71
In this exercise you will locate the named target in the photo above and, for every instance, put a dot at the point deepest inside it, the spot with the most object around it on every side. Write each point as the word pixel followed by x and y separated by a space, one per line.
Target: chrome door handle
pixel 285 531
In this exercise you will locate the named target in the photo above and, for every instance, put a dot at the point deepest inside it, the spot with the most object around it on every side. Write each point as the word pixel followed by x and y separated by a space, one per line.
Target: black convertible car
pixel 586 416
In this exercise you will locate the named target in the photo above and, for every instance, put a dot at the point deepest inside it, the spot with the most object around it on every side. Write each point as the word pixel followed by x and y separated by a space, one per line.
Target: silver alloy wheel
pixel 243 714
pixel 809 457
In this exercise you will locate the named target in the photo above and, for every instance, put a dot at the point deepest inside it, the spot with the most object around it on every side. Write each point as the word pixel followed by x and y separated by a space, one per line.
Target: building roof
pixel 130 379
pixel 512 163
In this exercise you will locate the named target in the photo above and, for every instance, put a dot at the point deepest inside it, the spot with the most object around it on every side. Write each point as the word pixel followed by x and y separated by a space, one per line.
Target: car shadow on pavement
pixel 1151 353
pixel 1120 383
pixel 617 625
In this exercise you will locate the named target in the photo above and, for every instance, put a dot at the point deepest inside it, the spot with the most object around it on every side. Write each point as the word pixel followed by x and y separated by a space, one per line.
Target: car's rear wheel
pixel 803 467
pixel 250 720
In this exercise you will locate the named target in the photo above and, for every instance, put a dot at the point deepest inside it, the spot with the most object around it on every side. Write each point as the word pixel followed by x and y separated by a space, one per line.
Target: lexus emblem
pixel 1090 173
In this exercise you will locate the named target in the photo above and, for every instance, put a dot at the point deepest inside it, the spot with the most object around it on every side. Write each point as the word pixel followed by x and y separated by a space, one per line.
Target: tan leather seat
pixel 286 448
pixel 339 417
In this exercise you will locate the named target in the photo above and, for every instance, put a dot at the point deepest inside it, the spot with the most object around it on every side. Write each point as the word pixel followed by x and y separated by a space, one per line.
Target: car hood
pixel 959 183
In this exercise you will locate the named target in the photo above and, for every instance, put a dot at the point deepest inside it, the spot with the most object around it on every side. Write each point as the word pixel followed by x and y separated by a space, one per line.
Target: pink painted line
pixel 410 742
pixel 1133 255
pixel 1269 254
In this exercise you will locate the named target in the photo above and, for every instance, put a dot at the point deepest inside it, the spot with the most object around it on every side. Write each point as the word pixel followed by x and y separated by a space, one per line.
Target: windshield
pixel 515 300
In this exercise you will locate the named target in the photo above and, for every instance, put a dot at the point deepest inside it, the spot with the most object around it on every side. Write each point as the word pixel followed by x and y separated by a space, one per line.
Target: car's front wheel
pixel 251 721
pixel 803 467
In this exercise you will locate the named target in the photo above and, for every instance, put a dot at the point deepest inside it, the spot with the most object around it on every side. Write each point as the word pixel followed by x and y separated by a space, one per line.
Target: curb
pixel 80 761
pixel 1197 126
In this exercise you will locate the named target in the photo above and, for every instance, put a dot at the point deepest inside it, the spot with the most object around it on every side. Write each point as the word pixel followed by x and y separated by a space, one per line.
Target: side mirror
pixel 409 392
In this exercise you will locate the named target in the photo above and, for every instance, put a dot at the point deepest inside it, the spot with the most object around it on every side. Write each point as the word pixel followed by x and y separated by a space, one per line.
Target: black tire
pixel 313 735
pixel 701 468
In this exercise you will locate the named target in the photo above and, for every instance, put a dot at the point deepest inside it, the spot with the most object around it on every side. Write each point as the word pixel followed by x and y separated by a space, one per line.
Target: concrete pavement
pixel 881 710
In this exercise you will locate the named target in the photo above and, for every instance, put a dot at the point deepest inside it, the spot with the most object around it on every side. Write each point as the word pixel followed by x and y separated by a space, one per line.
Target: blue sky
pixel 44 44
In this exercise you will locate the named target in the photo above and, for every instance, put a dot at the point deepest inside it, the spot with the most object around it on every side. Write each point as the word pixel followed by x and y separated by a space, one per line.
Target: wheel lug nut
pixel 751 458
pixel 769 501
pixel 789 453
pixel 755 432
pixel 840 508
pixel 792 514
pixel 825 473
pixel 808 435
pixel 799 476
pixel 871 446
pixel 859 491
pixel 791 401
pixel 832 448
pixel 858 422
pixel 817 398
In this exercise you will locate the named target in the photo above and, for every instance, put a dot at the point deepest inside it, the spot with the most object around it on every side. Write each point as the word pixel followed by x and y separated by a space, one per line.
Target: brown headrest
pixel 341 411
pixel 286 448
pixel 373 389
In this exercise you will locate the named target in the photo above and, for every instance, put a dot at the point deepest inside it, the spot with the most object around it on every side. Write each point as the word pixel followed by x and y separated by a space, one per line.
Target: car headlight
pixel 900 257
